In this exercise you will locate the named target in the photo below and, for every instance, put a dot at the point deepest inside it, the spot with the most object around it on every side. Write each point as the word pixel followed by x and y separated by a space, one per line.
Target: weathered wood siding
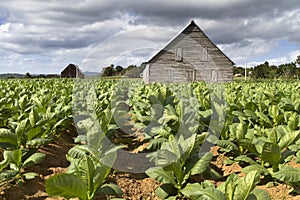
pixel 201 59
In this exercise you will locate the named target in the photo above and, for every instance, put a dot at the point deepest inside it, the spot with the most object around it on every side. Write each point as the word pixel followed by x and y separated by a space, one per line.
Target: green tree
pixel 262 71
pixel 109 71
pixel 298 60
pixel 238 70
pixel 134 72
pixel 28 75
pixel 119 70
pixel 287 70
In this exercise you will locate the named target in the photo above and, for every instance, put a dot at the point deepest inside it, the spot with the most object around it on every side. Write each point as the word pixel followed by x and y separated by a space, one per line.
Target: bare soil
pixel 134 186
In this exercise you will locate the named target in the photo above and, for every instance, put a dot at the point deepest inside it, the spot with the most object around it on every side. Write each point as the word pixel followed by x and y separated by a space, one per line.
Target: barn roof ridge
pixel 186 31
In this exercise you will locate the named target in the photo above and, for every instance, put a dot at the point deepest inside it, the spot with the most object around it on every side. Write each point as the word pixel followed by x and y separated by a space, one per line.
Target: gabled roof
pixel 72 65
pixel 180 36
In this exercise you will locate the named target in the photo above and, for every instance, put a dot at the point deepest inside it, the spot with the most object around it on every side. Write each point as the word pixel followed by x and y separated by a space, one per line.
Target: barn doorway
pixel 214 75
pixel 191 75
pixel 170 73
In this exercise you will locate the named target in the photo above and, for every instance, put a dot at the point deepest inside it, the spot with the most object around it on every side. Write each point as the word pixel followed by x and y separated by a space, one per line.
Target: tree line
pixel 132 71
pixel 265 70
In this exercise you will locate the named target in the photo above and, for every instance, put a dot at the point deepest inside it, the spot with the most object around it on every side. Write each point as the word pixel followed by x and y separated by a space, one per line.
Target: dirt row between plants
pixel 134 186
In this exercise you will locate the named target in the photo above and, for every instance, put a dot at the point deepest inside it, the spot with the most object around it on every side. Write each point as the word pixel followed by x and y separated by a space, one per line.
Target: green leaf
pixel 110 189
pixel 298 157
pixel 293 121
pixel 6 136
pixel 14 157
pixel 239 114
pixel 258 194
pixel 273 111
pixel 250 106
pixel 34 132
pixel 21 127
pixel 8 174
pixel 66 185
pixel 87 172
pixel 271 154
pixel 255 167
pixel 246 159
pixel 228 188
pixel 4 163
pixel 173 147
pixel 289 174
pixel 202 164
pixel 247 144
pixel 246 185
pixel 59 123
pixel 159 174
pixel 264 118
pixel 206 113
pixel 289 138
pixel 165 157
pixel 251 114
pixel 100 174
pixel 29 175
pixel 227 145
pixel 165 190
pixel 195 191
pixel 79 151
pixel 34 159
pixel 38 142
pixel 33 117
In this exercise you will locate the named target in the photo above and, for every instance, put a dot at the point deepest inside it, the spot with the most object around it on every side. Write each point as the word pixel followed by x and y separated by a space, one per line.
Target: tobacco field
pixel 173 133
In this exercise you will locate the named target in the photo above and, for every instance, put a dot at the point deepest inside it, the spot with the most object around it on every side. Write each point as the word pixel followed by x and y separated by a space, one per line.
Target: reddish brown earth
pixel 134 186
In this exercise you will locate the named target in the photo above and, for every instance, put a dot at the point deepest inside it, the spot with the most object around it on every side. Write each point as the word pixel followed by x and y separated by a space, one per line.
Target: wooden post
pixel 246 71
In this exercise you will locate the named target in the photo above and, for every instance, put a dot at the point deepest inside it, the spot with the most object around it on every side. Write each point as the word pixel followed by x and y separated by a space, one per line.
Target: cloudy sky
pixel 45 36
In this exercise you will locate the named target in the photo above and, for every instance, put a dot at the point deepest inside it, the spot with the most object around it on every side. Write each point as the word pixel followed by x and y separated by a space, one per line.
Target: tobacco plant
pixel 176 161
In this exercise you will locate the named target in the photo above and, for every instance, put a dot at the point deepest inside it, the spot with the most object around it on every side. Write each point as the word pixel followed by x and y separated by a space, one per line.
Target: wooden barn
pixel 190 56
pixel 72 71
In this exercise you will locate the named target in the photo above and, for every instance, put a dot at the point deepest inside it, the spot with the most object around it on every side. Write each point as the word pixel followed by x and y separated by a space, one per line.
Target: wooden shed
pixel 190 56
pixel 72 71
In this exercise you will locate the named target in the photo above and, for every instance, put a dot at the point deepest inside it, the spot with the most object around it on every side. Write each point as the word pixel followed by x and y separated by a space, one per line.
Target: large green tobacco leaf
pixel 229 186
pixel 7 138
pixel 248 145
pixel 293 121
pixel 255 167
pixel 288 137
pixel 66 185
pixel 110 189
pixel 161 175
pixel 227 145
pixel 246 185
pixel 34 159
pixel 241 130
pixel 165 190
pixel 271 154
pixel 289 174
pixel 195 191
pixel 246 159
pixel 258 194
pixel 264 118
pixel 202 164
